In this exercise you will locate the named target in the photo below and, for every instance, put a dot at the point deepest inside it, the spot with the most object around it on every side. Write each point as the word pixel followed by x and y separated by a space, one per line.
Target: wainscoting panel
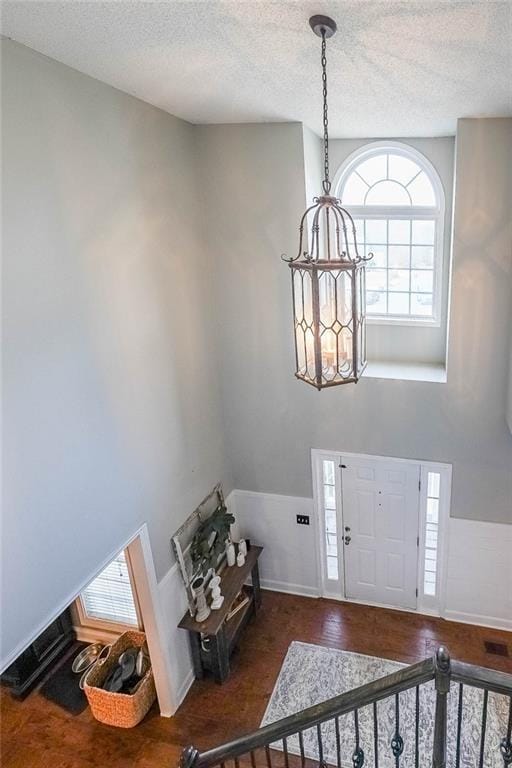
pixel 478 587
pixel 173 602
pixel 289 560
pixel 479 573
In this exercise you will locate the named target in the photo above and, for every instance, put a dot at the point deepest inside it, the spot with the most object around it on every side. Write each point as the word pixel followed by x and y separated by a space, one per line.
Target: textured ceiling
pixel 395 68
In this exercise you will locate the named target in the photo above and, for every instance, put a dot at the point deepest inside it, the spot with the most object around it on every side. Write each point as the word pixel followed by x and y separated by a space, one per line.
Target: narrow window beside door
pixel 431 533
pixel 331 531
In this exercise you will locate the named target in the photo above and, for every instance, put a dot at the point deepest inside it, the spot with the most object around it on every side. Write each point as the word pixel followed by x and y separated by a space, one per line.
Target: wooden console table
pixel 213 640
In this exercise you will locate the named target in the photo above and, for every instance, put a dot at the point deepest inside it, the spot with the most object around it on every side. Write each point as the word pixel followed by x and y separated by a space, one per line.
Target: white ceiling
pixel 395 68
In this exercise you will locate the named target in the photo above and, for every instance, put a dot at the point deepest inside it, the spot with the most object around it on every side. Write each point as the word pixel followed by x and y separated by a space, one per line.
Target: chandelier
pixel 328 276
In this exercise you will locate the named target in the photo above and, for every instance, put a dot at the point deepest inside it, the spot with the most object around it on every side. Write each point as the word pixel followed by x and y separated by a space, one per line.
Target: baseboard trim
pixel 289 589
pixel 481 621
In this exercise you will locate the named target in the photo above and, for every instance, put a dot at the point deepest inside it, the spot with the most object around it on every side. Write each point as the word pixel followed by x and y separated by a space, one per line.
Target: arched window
pixel 396 198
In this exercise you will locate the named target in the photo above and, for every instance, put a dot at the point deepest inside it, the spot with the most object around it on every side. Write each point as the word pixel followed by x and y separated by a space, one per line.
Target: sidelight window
pixel 331 529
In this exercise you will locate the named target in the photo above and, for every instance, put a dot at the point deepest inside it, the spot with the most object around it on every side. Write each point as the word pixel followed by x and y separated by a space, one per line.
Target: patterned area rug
pixel 311 674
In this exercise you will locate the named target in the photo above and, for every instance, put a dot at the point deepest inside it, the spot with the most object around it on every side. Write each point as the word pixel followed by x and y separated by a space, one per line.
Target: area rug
pixel 311 674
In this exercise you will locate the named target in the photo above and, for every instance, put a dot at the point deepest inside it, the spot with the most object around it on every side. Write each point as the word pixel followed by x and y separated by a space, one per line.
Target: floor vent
pixel 497 649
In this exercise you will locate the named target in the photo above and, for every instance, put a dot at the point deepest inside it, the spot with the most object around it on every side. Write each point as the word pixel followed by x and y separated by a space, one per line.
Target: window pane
pixel 374 169
pixel 330 521
pixel 359 225
pixel 332 568
pixel 328 467
pixel 422 257
pixel 376 303
pixel 422 281
pixel 421 304
pixel 398 280
pixel 329 497
pixel 434 479
pixel 398 303
pixel 387 193
pixel 379 256
pixel 432 510
pixel 423 231
pixel 421 190
pixel 109 596
pixel 402 169
pixel 376 231
pixel 332 545
pixel 354 190
pixel 376 280
pixel 399 231
pixel 399 256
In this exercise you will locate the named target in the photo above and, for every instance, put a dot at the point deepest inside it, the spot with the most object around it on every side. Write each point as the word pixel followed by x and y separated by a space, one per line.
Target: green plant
pixel 210 540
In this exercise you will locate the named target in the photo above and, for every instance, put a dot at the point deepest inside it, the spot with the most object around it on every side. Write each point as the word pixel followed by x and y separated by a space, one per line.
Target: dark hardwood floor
pixel 38 734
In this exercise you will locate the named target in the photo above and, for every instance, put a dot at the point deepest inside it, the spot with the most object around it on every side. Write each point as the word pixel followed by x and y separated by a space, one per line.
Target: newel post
pixel 442 683
pixel 188 757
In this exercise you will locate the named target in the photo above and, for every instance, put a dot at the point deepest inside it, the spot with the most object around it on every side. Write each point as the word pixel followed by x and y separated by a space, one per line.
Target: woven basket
pixel 120 709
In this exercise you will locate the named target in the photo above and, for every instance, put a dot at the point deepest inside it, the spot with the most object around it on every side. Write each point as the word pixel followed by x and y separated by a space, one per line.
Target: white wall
pixel 110 382
pixel 272 421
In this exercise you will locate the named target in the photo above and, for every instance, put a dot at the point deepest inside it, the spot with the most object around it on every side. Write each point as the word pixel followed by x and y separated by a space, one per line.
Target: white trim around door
pixel 430 507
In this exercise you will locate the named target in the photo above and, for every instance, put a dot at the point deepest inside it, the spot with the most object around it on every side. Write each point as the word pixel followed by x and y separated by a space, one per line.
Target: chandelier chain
pixel 326 182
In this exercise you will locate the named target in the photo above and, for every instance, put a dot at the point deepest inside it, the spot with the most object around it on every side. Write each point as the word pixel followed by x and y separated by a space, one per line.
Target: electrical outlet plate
pixel 302 519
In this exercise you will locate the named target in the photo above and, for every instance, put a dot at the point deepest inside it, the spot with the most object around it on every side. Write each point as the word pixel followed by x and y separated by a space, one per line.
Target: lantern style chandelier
pixel 328 277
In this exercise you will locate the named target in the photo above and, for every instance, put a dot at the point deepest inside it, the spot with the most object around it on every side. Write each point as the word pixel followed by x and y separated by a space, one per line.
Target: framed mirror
pixel 183 539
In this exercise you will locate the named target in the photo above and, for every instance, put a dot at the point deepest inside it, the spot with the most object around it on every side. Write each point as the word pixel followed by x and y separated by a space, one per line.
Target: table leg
pixel 195 644
pixel 220 656
pixel 255 575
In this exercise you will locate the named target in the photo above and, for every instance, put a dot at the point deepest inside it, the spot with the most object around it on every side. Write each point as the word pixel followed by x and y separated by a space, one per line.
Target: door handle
pixel 347 540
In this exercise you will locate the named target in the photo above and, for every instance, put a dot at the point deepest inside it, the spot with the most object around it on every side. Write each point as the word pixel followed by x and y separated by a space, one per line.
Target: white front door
pixel 380 500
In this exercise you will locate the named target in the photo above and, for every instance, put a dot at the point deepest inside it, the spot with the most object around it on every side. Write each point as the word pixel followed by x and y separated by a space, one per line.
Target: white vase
pixel 203 611
pixel 230 553
pixel 242 547
pixel 240 560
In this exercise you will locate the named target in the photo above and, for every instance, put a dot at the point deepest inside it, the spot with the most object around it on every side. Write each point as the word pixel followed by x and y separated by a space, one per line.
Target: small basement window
pixel 110 600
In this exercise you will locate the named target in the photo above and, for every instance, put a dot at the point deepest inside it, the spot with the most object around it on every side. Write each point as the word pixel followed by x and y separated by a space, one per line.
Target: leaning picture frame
pixel 181 541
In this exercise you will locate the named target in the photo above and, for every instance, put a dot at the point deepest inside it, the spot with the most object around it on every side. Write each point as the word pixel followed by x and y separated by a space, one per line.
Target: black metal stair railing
pixel 440 669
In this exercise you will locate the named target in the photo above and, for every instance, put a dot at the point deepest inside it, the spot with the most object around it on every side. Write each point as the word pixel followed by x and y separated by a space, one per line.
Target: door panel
pixel 380 520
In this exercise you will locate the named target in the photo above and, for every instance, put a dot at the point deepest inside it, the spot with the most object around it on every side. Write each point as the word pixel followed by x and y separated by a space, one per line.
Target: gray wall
pixel 272 420
pixel 111 388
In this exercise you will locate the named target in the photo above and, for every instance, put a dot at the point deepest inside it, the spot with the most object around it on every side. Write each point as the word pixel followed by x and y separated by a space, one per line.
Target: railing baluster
pixel 417 730
pixel 338 741
pixel 506 743
pixel 397 743
pixel 285 752
pixel 459 725
pixel 320 745
pixel 375 736
pixel 301 747
pixel 237 752
pixel 484 726
pixel 442 678
pixel 357 754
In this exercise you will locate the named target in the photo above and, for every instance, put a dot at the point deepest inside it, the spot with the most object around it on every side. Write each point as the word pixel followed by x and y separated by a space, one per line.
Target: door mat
pixel 62 687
